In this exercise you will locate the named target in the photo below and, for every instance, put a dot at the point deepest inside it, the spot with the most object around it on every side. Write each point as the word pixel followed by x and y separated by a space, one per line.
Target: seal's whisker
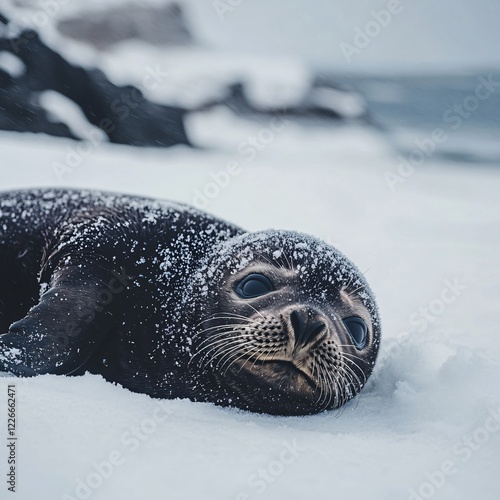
pixel 256 350
pixel 269 261
pixel 229 326
pixel 350 354
pixel 347 377
pixel 326 382
pixel 352 292
pixel 242 354
pixel 232 316
pixel 218 336
pixel 218 353
pixel 283 254
pixel 358 397
pixel 218 327
pixel 345 286
pixel 339 389
pixel 223 340
pixel 369 267
pixel 258 312
pixel 226 356
pixel 350 373
pixel 238 347
pixel 315 369
pixel 354 388
pixel 266 350
pixel 232 357
pixel 356 365
pixel 332 394
pixel 214 346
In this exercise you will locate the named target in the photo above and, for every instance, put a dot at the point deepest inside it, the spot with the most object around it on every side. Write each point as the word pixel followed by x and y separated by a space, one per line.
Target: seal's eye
pixel 357 330
pixel 254 285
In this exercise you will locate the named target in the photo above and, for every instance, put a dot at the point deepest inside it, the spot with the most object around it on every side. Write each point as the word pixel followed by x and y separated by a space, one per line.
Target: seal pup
pixel 167 300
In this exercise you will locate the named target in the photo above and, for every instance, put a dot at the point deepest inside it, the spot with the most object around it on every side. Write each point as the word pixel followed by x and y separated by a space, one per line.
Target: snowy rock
pixel 123 114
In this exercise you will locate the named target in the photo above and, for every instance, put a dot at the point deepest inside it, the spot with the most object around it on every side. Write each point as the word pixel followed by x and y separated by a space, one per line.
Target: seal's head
pixel 287 325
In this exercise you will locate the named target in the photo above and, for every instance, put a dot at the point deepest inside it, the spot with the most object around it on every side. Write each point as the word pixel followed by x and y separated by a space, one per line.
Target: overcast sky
pixel 420 34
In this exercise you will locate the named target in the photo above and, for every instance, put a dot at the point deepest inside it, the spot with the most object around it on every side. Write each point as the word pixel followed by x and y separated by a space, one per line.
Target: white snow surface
pixel 428 421
pixel 62 109
pixel 11 64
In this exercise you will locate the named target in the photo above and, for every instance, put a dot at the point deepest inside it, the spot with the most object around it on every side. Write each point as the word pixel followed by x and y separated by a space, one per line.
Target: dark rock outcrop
pixel 123 113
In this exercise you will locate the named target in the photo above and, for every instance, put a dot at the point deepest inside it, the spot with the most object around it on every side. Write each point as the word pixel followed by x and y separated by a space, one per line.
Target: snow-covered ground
pixel 427 424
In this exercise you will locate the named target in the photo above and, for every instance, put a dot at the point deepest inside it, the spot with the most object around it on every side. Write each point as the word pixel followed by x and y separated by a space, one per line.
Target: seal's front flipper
pixel 66 327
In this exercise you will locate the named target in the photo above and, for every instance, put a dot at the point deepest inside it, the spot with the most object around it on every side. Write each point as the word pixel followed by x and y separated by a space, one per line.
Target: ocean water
pixel 454 117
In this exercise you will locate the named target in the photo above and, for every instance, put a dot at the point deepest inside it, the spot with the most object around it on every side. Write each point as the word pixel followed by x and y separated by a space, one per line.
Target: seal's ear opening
pixel 357 330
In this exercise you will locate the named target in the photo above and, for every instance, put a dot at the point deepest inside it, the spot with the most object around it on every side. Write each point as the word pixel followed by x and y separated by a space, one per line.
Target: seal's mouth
pixel 273 386
pixel 280 376
pixel 277 365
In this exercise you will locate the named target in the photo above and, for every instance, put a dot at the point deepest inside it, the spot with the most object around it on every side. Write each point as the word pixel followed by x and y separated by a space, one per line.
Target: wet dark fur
pixel 79 260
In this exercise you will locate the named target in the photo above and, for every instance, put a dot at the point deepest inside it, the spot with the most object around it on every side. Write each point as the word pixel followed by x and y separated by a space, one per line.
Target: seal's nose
pixel 306 324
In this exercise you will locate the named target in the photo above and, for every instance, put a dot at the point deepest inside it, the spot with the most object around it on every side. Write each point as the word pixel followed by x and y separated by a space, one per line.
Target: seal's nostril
pixel 297 323
pixel 316 329
pixel 306 326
